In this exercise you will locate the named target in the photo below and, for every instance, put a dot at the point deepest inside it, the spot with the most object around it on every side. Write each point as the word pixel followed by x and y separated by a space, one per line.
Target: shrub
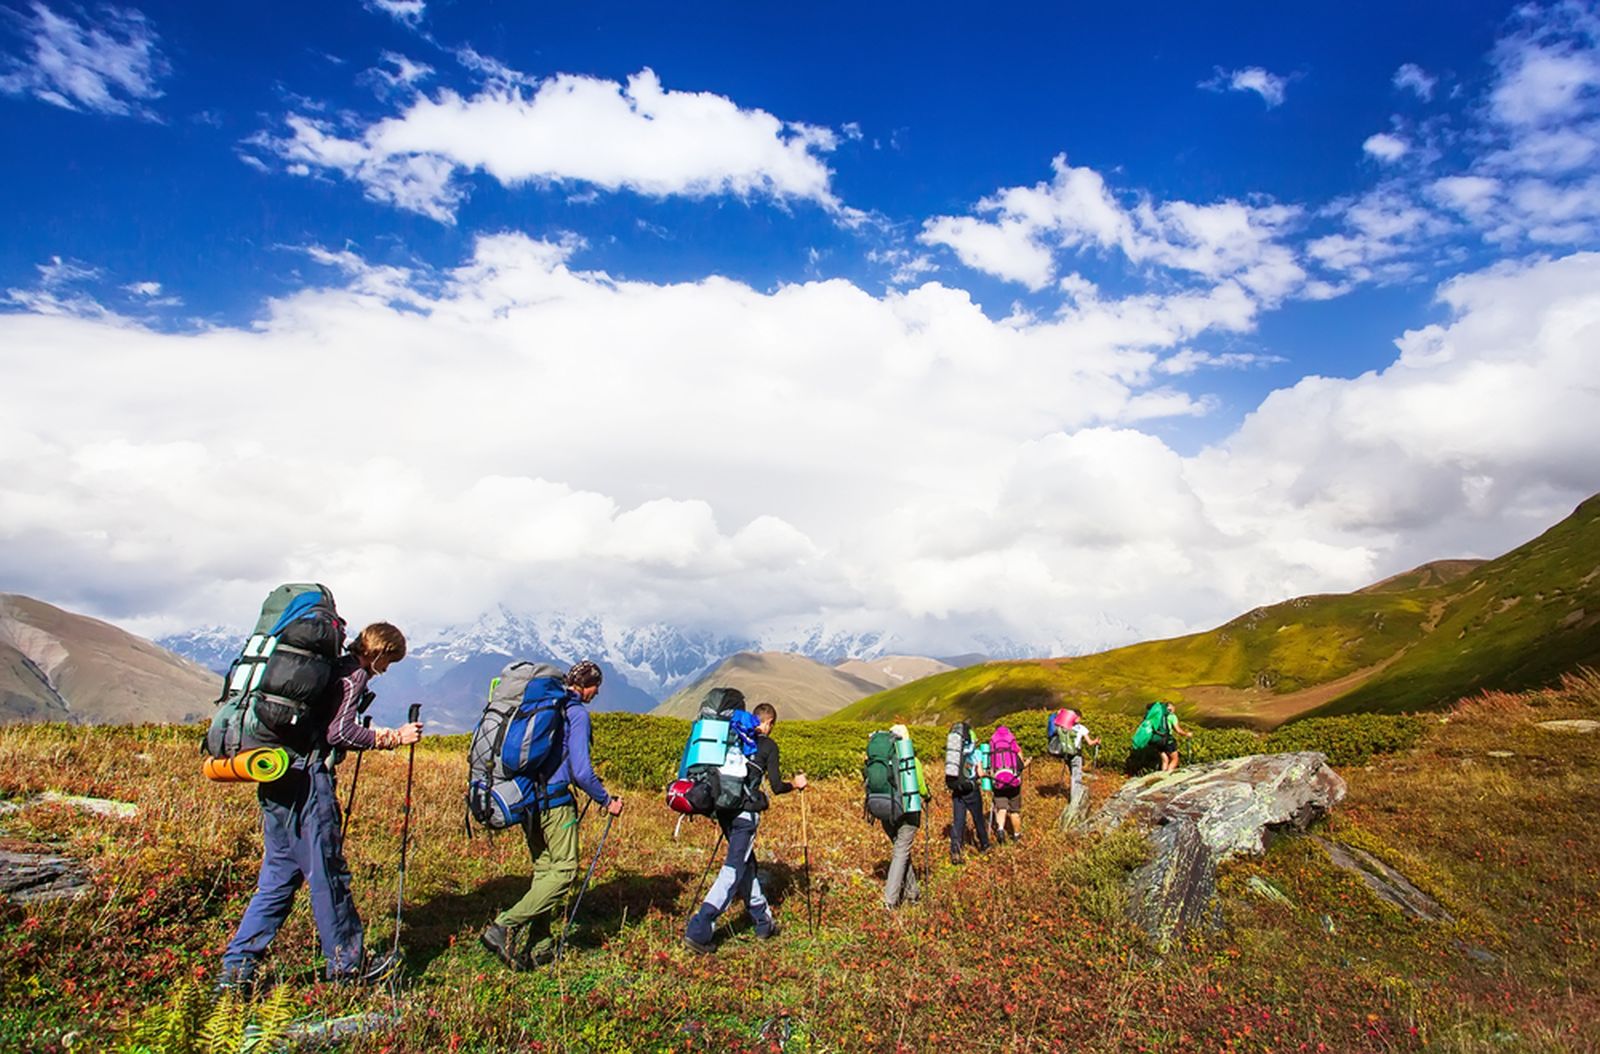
pixel 1350 739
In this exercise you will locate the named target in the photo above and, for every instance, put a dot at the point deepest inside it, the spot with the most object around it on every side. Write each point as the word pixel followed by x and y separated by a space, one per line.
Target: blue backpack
pixel 517 734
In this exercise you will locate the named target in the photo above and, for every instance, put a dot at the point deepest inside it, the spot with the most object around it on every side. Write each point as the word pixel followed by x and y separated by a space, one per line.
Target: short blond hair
pixel 380 640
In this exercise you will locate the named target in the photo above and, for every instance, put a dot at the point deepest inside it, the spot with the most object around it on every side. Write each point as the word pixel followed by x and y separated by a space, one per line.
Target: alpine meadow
pixel 652 529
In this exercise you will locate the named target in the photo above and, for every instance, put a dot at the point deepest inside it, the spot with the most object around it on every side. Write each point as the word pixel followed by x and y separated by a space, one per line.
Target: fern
pixel 224 1028
pixel 275 1017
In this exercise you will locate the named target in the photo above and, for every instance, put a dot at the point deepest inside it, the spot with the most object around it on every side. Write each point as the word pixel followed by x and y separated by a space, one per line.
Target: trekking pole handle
pixel 414 714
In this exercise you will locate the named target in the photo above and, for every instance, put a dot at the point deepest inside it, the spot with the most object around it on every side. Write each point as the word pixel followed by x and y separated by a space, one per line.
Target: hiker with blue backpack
pixel 548 728
pixel 1006 762
pixel 288 669
pixel 896 790
pixel 739 821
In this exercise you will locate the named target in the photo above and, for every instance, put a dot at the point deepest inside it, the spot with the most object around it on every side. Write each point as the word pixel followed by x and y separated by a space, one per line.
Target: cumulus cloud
pixel 636 136
pixel 1272 88
pixel 898 460
pixel 1413 78
pixel 1018 232
pixel 1386 147
pixel 108 67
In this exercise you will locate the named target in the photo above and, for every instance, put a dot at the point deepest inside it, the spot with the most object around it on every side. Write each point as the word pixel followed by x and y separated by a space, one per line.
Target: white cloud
pixel 399 73
pixel 899 461
pixel 408 12
pixel 1077 211
pixel 59 291
pixel 1386 147
pixel 1270 86
pixel 110 67
pixel 1413 78
pixel 636 136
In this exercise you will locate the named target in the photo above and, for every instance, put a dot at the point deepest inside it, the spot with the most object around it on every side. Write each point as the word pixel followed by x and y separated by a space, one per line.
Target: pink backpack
pixel 1005 760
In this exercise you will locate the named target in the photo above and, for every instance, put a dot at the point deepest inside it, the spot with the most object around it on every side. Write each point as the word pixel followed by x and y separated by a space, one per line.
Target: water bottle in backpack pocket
pixel 516 736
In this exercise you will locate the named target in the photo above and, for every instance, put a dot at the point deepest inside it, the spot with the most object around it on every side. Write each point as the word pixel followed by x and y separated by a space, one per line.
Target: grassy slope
pixel 1517 621
pixel 1049 966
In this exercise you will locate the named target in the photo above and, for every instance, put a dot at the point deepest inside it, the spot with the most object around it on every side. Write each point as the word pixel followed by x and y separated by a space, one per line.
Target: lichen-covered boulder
pixel 1237 805
pixel 1200 816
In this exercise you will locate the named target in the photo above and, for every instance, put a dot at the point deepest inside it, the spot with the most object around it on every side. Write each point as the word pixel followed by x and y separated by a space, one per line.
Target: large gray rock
pixel 1200 816
pixel 1237 805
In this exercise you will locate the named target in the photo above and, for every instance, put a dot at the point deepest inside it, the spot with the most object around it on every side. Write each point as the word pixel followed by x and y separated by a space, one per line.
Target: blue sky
pixel 913 262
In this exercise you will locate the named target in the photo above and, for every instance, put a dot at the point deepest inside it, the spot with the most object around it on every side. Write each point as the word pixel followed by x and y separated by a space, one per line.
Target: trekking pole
pixel 405 827
pixel 355 777
pixel 707 872
pixel 561 945
pixel 805 848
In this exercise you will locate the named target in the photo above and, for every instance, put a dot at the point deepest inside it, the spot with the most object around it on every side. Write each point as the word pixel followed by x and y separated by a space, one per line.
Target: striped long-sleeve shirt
pixel 345 695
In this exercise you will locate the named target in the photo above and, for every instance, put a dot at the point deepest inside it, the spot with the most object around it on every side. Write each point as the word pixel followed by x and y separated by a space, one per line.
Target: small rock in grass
pixel 1502 754
pixel 1262 888
pixel 1578 725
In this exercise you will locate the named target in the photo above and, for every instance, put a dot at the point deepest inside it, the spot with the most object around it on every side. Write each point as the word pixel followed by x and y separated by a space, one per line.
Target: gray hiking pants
pixel 1075 763
pixel 902 882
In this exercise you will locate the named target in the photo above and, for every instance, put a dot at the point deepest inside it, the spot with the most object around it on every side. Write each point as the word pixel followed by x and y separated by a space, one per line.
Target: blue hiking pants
pixel 736 880
pixel 302 841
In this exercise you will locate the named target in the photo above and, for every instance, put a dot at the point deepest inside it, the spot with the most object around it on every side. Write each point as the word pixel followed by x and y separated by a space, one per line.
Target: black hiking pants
pixel 961 805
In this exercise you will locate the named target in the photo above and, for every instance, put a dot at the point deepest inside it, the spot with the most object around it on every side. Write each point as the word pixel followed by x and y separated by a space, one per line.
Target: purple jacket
pixel 572 764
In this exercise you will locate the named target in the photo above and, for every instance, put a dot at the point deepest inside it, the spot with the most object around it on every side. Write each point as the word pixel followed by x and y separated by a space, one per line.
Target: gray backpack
pixel 521 726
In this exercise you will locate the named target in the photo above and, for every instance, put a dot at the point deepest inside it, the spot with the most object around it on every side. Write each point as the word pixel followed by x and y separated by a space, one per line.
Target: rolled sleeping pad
pixel 262 765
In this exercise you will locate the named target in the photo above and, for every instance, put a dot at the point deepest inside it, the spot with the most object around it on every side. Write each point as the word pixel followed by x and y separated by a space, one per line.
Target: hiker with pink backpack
pixel 1006 763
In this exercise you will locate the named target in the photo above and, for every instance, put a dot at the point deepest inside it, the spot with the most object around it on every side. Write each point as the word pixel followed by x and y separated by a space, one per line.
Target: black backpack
pixel 275 693
pixel 714 773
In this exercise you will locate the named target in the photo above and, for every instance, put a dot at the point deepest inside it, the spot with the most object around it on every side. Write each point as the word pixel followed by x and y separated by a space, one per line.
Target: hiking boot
pixel 697 947
pixel 373 970
pixel 238 978
pixel 497 940
pixel 768 930
pixel 956 858
pixel 538 957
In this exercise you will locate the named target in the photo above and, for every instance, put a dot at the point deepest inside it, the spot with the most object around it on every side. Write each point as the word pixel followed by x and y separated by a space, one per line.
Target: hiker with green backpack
pixel 301 828
pixel 896 790
pixel 1159 731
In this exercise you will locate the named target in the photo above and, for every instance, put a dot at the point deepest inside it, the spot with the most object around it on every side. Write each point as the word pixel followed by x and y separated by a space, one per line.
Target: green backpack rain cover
pixel 1154 726
pixel 881 777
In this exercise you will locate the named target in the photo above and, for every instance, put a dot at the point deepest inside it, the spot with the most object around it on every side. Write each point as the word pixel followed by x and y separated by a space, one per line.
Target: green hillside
pixel 1418 640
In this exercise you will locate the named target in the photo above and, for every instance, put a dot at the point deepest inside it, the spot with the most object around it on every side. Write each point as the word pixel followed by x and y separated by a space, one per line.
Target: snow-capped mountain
pixel 449 672
pixel 214 647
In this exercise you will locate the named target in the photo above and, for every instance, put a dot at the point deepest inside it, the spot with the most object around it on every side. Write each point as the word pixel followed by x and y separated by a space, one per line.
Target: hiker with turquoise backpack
pixel 737 880
pixel 291 690
pixel 896 790
pixel 1006 763
pixel 539 719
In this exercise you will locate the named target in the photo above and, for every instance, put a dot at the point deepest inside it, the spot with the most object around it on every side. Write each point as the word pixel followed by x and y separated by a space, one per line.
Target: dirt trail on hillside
pixel 1264 710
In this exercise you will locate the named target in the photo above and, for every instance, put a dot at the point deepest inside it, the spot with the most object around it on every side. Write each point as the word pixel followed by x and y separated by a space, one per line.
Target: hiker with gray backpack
pixel 530 749
pixel 963 772
pixel 290 690
pixel 896 791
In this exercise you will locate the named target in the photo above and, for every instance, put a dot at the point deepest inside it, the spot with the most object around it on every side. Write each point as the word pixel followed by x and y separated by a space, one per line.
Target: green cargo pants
pixel 553 845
